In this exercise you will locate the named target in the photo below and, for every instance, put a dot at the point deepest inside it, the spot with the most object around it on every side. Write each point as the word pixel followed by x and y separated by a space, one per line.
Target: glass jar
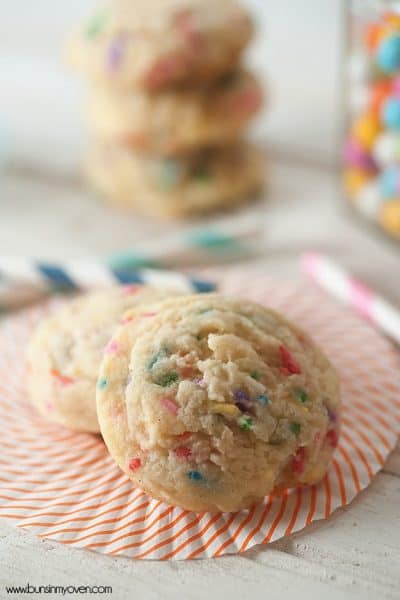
pixel 372 146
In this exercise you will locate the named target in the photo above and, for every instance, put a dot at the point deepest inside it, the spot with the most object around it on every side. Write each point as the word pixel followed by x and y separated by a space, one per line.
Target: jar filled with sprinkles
pixel 371 153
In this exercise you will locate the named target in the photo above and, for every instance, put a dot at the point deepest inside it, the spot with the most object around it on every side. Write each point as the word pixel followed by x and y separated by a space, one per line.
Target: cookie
pixel 179 121
pixel 65 353
pixel 210 403
pixel 176 187
pixel 162 43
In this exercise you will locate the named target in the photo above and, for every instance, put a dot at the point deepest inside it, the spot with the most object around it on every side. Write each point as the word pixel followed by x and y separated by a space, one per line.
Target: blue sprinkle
pixel 264 399
pixel 195 476
pixel 102 383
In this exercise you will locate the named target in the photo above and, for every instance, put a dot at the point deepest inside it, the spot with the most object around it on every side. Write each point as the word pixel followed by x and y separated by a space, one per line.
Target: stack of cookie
pixel 169 103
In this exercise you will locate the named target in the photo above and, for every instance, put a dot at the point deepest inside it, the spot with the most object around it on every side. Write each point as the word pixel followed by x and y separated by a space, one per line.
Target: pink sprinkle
pixel 131 289
pixel 169 406
pixel 148 314
pixel 112 347
pixel 134 464
pixel 50 406
pixel 183 452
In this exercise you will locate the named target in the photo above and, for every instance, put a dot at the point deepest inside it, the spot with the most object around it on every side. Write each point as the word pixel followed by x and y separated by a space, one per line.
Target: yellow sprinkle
pixel 229 410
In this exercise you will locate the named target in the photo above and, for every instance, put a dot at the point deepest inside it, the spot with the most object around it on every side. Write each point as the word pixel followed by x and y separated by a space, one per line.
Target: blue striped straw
pixel 23 280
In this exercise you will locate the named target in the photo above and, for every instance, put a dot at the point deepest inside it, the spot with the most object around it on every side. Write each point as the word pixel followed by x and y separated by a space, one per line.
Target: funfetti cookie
pixel 210 403
pixel 178 186
pixel 161 43
pixel 177 121
pixel 66 349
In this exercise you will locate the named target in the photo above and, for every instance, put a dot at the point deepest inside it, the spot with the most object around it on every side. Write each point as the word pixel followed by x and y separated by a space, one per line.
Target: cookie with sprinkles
pixel 214 402
pixel 177 121
pixel 176 186
pixel 158 44
pixel 66 350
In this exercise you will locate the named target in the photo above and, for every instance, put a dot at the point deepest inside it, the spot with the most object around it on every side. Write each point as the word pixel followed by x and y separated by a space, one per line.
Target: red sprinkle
pixel 332 438
pixel 134 464
pixel 126 319
pixel 298 461
pixel 169 405
pixel 148 314
pixel 290 366
pixel 183 452
pixel 63 379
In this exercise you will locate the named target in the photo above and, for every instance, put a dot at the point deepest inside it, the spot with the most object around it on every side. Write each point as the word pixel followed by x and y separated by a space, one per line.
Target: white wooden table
pixel 354 554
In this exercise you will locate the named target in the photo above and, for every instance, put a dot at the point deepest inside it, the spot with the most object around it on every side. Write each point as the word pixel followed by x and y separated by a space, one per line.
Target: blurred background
pixel 298 53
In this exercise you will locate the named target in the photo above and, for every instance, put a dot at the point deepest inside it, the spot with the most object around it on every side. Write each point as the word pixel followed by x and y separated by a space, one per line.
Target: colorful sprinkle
pixel 255 375
pixel 246 423
pixel 264 399
pixel 63 379
pixel 167 379
pixel 195 476
pixel 102 383
pixel 331 415
pixel 301 395
pixel 295 428
pixel 130 289
pixel 298 461
pixel 97 24
pixel 202 174
pixel 332 438
pixel 169 405
pixel 158 356
pixel 172 172
pixel 115 53
pixel 135 464
pixel 183 452
pixel 289 364
pixel 225 409
pixel 242 400
pixel 112 347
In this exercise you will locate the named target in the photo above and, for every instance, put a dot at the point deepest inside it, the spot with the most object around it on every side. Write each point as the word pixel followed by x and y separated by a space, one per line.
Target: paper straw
pixel 351 291
pixel 23 280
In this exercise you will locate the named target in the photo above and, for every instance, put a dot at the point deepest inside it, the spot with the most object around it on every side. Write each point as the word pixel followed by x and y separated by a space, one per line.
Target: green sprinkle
pixel 202 174
pixel 199 337
pixel 160 354
pixel 195 476
pixel 203 311
pixel 295 428
pixel 172 172
pixel 255 375
pixel 97 24
pixel 264 399
pixel 102 383
pixel 301 395
pixel 167 379
pixel 246 423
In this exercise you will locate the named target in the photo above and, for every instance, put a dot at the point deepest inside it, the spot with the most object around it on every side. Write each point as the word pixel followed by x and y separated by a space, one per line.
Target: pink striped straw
pixel 349 290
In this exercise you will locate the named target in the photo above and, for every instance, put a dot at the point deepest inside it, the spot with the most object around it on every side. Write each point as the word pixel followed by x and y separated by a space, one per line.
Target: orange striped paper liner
pixel 65 487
